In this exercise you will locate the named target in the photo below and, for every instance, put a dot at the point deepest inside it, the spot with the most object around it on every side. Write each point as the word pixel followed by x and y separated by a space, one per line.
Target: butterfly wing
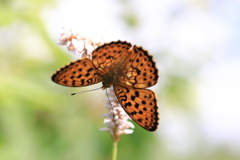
pixel 77 74
pixel 108 55
pixel 138 69
pixel 141 71
pixel 140 105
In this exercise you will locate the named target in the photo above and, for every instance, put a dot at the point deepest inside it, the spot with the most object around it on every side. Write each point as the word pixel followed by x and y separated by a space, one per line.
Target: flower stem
pixel 114 151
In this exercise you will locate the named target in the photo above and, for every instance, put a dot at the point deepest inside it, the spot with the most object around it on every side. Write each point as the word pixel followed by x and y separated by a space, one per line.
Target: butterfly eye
pixel 103 83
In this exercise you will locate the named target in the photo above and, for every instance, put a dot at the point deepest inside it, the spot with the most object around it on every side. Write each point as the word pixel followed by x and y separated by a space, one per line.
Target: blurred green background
pixel 195 44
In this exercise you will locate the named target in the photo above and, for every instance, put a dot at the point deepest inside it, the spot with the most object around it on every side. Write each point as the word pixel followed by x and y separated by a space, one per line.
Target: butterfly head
pixel 106 84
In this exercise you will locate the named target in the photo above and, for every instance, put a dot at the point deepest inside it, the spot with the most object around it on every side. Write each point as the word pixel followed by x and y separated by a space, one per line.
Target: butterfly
pixel 128 68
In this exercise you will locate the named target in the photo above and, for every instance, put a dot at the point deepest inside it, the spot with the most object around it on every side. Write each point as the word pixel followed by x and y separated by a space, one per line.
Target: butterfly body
pixel 129 69
pixel 112 77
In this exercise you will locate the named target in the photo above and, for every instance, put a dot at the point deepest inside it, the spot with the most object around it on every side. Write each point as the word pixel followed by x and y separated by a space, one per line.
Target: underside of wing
pixel 77 74
pixel 140 105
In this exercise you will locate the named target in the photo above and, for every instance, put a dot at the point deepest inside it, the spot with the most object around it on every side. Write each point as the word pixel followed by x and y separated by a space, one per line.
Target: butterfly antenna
pixel 86 91
pixel 108 96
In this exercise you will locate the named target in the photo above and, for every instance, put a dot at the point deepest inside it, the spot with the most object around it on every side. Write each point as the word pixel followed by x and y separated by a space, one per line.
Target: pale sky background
pixel 209 29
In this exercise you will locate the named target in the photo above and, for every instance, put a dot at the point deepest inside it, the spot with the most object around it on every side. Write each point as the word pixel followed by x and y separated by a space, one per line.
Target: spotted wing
pixel 107 57
pixel 76 74
pixel 140 105
pixel 141 71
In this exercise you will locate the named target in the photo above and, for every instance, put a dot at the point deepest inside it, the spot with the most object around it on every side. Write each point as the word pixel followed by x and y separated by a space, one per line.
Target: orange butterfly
pixel 129 69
